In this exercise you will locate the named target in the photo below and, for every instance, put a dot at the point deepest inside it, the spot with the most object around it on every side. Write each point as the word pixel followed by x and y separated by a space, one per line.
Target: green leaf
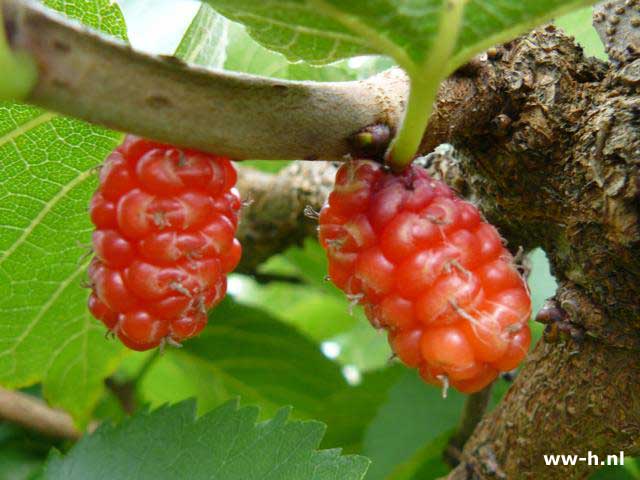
pixel 323 31
pixel 427 38
pixel 267 166
pixel 213 41
pixel 103 15
pixel 314 312
pixel 579 24
pixel 311 263
pixel 393 439
pixel 295 28
pixel 246 55
pixel 22 453
pixel 46 333
pixel 224 444
pixel 20 72
pixel 350 411
pixel 629 471
pixel 17 464
pixel 489 22
pixel 246 352
pixel 315 307
pixel 427 462
pixel 205 41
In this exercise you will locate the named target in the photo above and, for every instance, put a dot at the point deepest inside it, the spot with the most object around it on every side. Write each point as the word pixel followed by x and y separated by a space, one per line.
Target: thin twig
pixel 125 391
pixel 474 409
pixel 35 414
pixel 277 277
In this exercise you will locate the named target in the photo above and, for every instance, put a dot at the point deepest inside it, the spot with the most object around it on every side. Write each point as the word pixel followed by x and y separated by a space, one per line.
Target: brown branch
pixel 90 76
pixel 34 414
pixel 273 218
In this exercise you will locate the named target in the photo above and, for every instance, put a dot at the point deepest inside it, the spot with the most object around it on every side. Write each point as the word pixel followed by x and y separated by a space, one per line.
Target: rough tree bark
pixel 558 167
pixel 549 148
pixel 273 217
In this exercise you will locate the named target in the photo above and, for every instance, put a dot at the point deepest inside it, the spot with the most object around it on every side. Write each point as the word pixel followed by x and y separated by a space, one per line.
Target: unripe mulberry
pixel 429 270
pixel 164 242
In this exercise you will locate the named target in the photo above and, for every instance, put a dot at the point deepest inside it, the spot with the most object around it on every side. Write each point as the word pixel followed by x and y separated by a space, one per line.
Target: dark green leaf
pixel 350 411
pixel 246 352
pixel 224 444
pixel 426 463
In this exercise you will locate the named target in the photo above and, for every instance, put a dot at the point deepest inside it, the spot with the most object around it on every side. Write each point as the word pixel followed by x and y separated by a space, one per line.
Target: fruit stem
pixel 19 72
pixel 125 391
pixel 425 82
pixel 474 408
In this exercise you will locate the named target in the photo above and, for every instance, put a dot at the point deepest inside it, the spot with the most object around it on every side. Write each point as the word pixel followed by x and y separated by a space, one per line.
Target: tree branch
pixel 33 413
pixel 273 218
pixel 90 76
pixel 96 78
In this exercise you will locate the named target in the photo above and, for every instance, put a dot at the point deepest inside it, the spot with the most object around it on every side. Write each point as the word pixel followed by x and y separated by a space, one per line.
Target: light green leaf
pixel 350 411
pixel 20 72
pixel 213 41
pixel 295 28
pixel 48 161
pixel 311 263
pixel 313 312
pixel 103 15
pixel 223 444
pixel 315 307
pixel 205 41
pixel 489 22
pixel 579 24
pixel 246 55
pixel 323 31
pixel 394 439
